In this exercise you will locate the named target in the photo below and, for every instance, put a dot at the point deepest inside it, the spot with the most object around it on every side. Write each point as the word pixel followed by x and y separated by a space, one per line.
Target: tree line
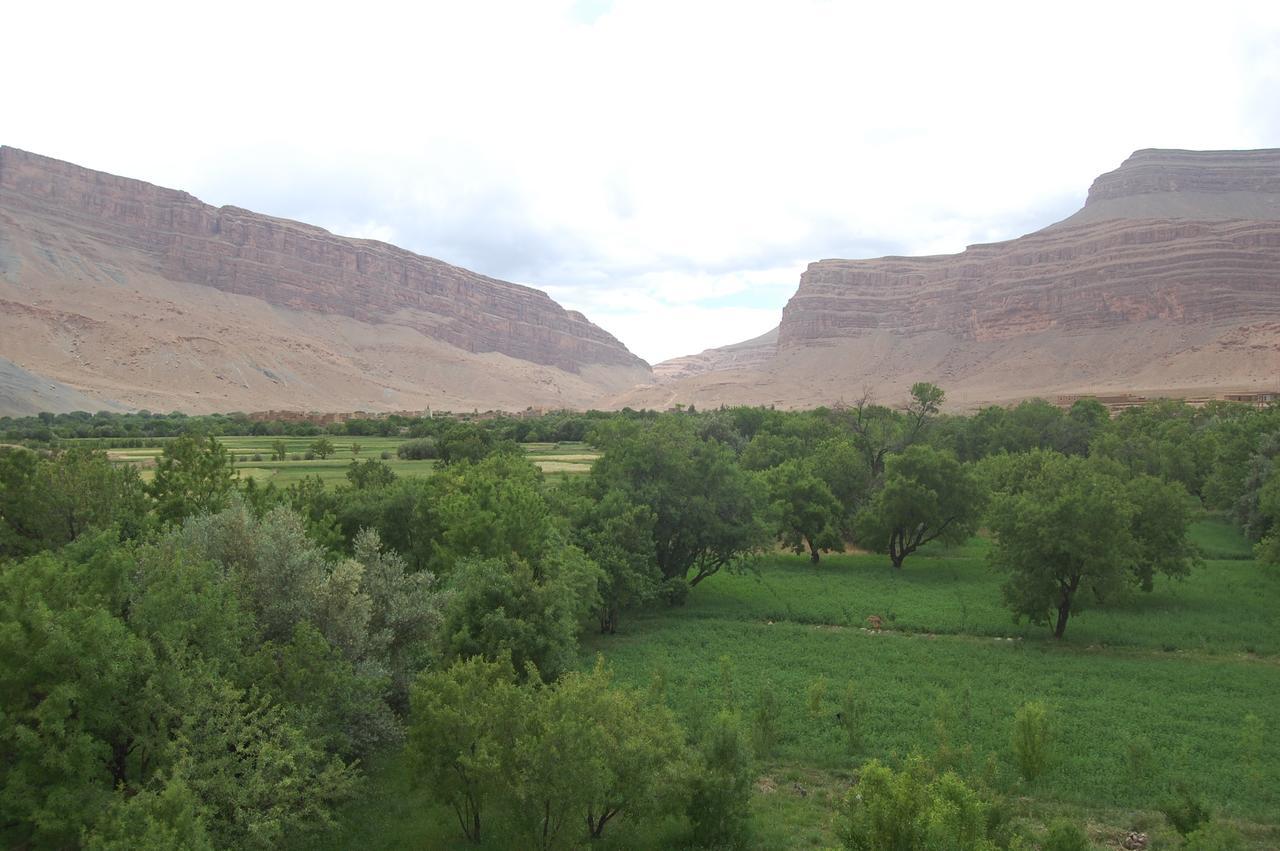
pixel 199 661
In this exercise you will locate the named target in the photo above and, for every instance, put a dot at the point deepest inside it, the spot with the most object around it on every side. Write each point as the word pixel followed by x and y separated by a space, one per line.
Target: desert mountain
pixel 1166 282
pixel 118 293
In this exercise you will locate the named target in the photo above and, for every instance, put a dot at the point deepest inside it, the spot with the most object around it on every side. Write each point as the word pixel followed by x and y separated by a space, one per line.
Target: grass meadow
pixel 253 458
pixel 1151 689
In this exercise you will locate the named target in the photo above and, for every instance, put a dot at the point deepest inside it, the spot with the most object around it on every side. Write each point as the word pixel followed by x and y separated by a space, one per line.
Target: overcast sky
pixel 668 168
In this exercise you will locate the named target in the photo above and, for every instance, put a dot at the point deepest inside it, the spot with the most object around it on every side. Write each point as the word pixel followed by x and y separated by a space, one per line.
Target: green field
pixel 253 458
pixel 1178 669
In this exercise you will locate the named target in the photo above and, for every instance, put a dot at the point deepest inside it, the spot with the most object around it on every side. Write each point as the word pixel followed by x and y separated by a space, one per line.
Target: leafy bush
pixel 1065 836
pixel 1031 740
pixel 421 449
pixel 1184 809
pixel 818 697
pixel 674 591
pixel 718 803
pixel 765 723
pixel 913 809
pixel 852 716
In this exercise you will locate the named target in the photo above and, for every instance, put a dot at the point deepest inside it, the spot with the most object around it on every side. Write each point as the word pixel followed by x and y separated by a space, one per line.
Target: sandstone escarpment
pixel 145 296
pixel 747 355
pixel 294 265
pixel 1167 281
pixel 1093 277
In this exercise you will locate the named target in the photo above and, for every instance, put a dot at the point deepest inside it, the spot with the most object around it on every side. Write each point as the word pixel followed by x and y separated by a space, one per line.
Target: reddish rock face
pixel 1167 282
pixel 1073 279
pixel 1196 263
pixel 1155 170
pixel 305 268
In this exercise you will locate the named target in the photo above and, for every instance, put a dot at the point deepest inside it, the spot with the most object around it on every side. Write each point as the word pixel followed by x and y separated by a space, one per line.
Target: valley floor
pixel 1172 674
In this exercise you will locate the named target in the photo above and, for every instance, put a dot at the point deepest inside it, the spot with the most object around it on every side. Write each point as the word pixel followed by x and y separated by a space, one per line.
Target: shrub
pixel 818 697
pixel 1065 836
pixel 310 456
pixel 674 591
pixel 422 449
pixel 385 455
pixel 912 809
pixel 765 722
pixel 1184 809
pixel 718 804
pixel 1031 739
pixel 257 456
pixel 852 716
pixel 295 457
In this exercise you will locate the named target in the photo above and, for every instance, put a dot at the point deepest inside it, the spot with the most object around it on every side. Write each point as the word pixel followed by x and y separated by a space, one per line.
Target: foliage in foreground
pixel 913 809
pixel 566 758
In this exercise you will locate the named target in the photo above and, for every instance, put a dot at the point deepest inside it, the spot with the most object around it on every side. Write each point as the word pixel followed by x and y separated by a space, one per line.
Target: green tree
pixel 1158 524
pixel 529 612
pixel 1068 531
pixel 194 475
pixel 322 447
pixel 879 432
pixel 927 495
pixel 405 612
pixel 19 519
pixel 259 774
pixel 46 503
pixel 81 489
pixel 594 751
pixel 839 464
pixel 707 509
pixel 805 512
pixel 494 508
pixel 618 536
pixel 369 473
pixel 279 450
pixel 1268 513
pixel 74 695
pixel 465 726
pixel 155 819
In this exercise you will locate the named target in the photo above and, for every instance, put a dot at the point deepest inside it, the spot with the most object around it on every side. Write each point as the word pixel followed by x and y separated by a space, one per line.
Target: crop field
pixel 1152 689
pixel 253 458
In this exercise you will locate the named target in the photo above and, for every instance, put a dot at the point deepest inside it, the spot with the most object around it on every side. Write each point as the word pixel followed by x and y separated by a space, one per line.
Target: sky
pixel 667 168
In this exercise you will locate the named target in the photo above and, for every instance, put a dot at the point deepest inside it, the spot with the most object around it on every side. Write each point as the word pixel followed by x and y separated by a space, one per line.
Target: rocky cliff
pixel 94 268
pixel 746 355
pixel 1168 279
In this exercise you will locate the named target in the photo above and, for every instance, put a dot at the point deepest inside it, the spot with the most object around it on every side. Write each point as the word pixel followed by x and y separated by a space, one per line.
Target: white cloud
pixel 654 163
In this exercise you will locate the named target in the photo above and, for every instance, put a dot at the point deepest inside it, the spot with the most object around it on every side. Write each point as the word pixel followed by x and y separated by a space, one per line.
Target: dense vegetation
pixel 449 645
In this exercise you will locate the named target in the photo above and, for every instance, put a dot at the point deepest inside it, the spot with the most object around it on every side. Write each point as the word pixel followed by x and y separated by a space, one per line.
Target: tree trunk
pixel 1064 612
pixel 608 621
pixel 1064 608
pixel 897 549
pixel 813 553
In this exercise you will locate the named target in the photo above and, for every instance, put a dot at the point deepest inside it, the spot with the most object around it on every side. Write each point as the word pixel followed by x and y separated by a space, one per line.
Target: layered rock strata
pixel 294 265
pixel 1166 282
pixel 145 295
